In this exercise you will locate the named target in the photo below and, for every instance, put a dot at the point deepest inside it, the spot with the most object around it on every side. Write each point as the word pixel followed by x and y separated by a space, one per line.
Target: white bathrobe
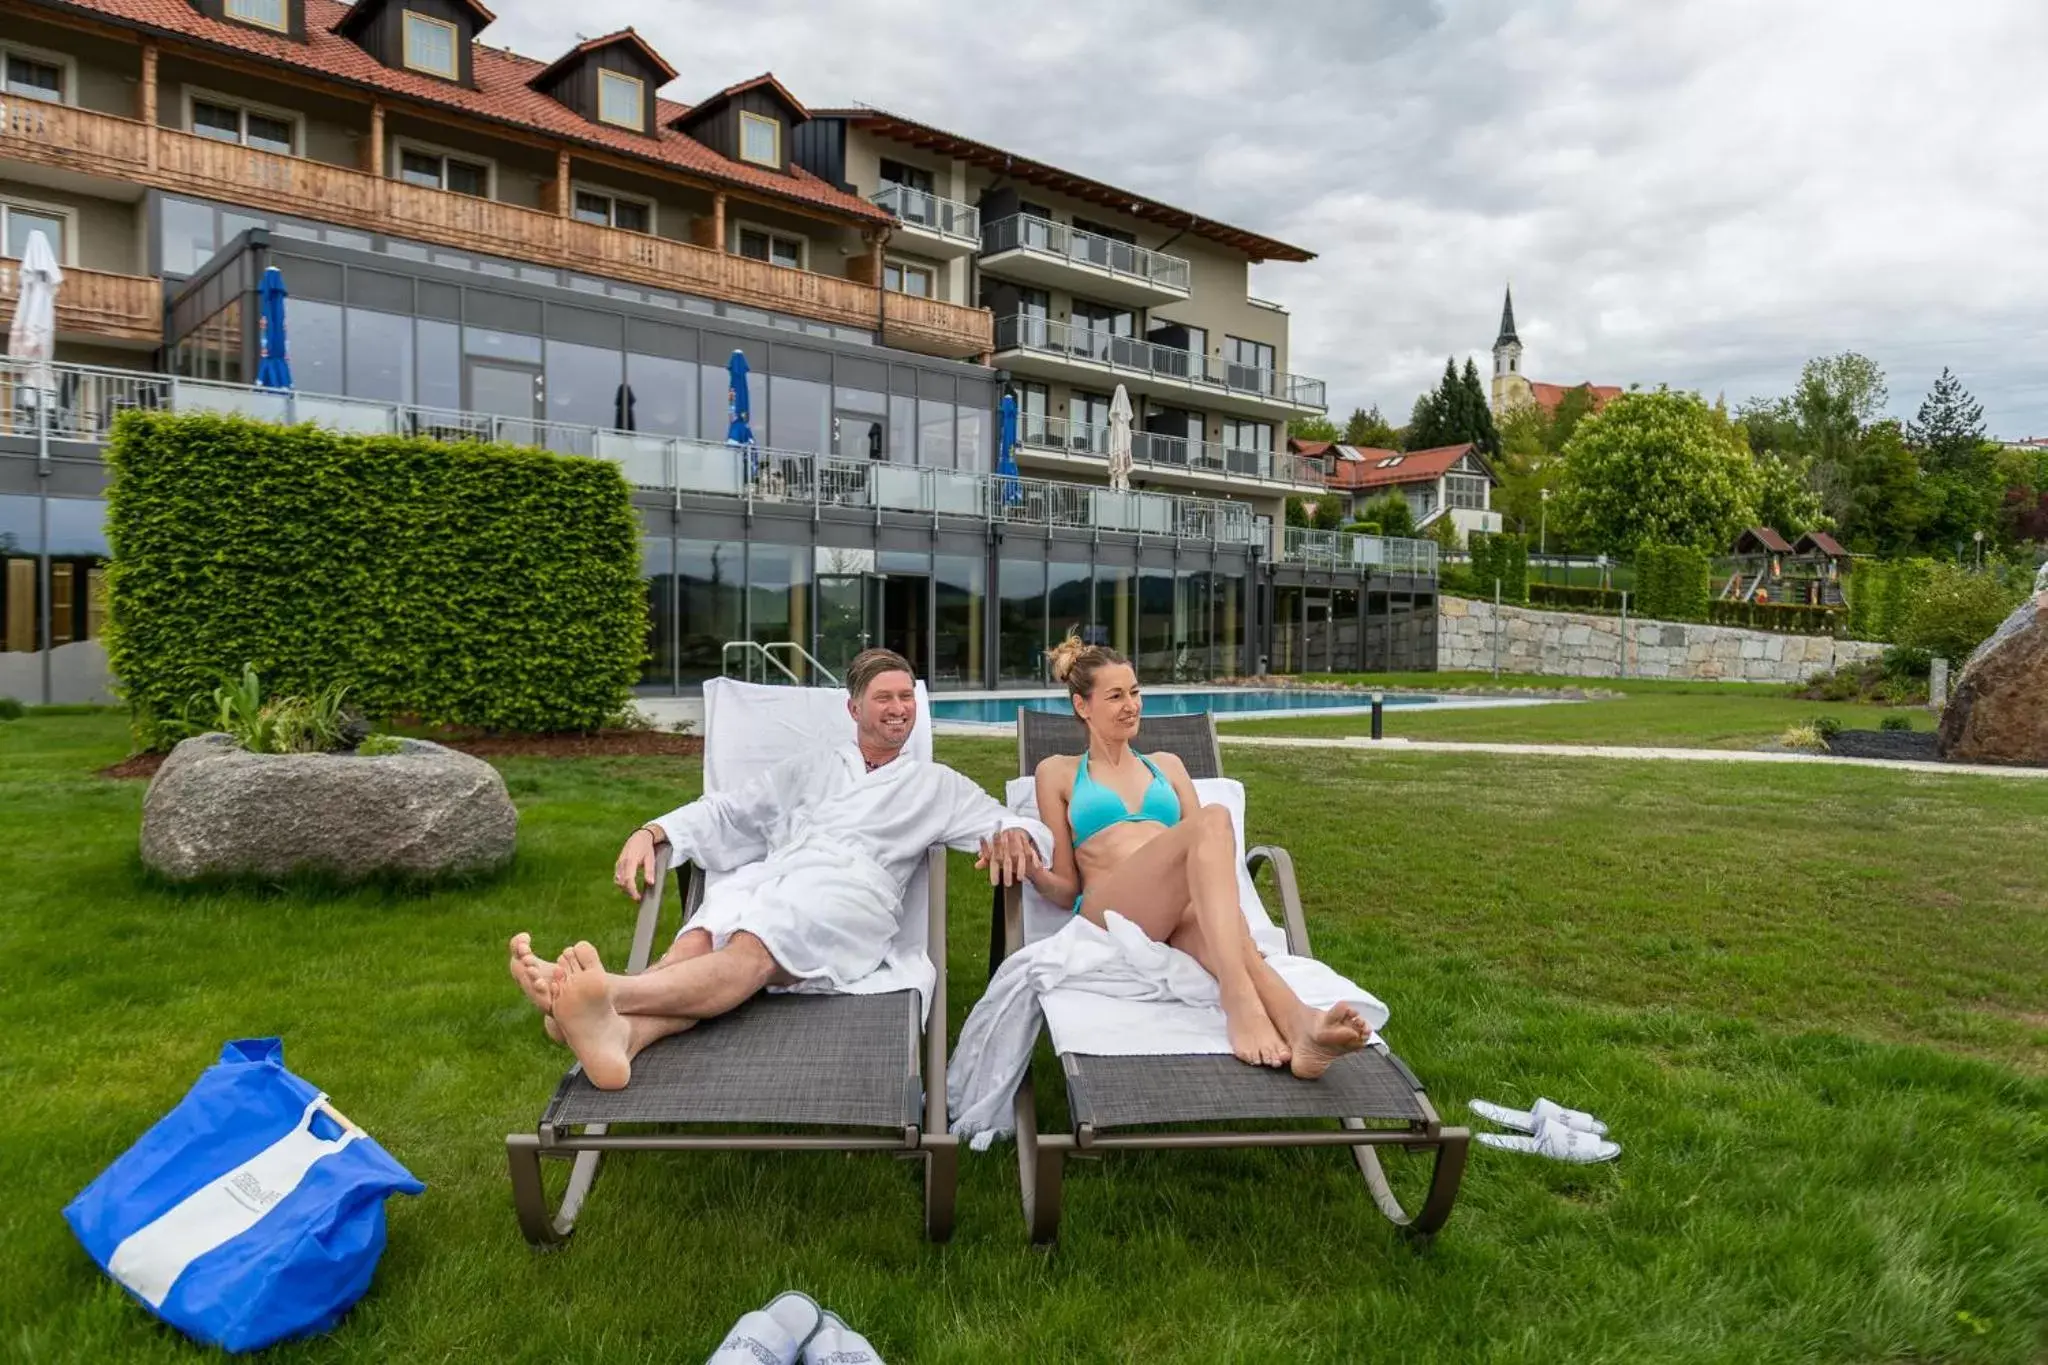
pixel 821 850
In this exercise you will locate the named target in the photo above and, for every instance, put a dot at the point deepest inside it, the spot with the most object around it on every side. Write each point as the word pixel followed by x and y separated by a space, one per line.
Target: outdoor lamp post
pixel 1978 536
pixel 1543 525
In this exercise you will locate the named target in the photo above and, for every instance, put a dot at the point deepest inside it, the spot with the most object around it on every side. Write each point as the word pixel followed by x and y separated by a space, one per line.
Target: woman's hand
pixel 1010 857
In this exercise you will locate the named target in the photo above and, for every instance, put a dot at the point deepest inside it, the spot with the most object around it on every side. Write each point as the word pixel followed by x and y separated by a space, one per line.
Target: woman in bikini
pixel 1131 835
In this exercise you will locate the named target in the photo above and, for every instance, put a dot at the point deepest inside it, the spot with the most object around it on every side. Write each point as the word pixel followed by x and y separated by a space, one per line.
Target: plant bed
pixel 1919 746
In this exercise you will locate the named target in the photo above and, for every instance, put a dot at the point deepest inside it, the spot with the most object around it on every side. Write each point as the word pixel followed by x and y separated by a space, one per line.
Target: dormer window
pixel 760 139
pixel 432 46
pixel 622 100
pixel 270 14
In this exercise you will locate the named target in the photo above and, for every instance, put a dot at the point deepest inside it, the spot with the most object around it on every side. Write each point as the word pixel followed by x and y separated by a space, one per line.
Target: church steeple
pixel 1507 347
pixel 1507 321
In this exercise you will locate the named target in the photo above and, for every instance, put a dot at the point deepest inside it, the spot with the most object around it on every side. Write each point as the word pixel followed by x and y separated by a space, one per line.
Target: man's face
pixel 887 712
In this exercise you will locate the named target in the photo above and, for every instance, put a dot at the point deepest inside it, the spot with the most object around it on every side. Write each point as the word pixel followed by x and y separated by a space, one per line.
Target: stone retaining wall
pixel 1566 644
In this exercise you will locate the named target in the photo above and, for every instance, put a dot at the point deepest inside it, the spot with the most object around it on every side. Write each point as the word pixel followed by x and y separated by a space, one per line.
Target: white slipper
pixel 1537 1114
pixel 838 1344
pixel 774 1335
pixel 1557 1142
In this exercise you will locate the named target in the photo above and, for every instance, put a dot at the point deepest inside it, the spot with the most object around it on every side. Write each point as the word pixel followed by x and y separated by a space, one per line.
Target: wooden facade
pixel 378 27
pixel 716 123
pixel 573 82
pixel 96 305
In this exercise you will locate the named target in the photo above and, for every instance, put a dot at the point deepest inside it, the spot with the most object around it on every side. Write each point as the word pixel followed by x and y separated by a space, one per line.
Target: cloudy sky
pixel 1701 193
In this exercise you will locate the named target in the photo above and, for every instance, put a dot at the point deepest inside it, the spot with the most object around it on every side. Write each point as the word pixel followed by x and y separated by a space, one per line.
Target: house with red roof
pixel 1449 481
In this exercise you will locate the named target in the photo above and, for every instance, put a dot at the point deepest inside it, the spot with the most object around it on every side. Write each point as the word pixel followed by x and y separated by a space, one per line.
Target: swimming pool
pixel 1231 701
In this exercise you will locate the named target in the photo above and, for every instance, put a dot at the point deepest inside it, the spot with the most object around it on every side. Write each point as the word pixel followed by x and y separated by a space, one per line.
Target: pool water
pixel 1232 701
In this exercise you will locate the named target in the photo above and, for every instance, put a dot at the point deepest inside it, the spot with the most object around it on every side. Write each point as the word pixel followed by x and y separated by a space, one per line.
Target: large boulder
pixel 1999 710
pixel 216 810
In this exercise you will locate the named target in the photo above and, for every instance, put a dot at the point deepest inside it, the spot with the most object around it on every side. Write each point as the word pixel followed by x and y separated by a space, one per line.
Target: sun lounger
pixel 849 1069
pixel 1115 1103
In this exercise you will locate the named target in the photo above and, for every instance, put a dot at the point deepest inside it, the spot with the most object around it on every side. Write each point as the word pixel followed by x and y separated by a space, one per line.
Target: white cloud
pixel 1702 192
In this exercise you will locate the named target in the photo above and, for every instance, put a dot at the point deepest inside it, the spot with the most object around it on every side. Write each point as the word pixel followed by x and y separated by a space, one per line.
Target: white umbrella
pixel 33 337
pixel 1120 440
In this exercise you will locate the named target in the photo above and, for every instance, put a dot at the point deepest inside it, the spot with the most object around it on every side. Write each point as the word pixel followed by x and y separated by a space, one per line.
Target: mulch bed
pixel 607 744
pixel 1919 746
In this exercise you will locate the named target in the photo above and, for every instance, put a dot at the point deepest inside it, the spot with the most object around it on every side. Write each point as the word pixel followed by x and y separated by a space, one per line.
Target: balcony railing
pixel 86 402
pixel 918 208
pixel 1152 450
pixel 1343 550
pixel 1044 237
pixel 94 303
pixel 1018 332
pixel 92 143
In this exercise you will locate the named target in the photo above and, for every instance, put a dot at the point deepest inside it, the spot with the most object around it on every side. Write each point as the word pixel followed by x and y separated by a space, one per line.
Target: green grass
pixel 1482 681
pixel 1810 1001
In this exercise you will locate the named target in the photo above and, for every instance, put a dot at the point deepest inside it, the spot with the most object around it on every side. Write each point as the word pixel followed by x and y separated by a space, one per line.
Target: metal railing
pixel 919 208
pixel 85 402
pixel 1019 332
pixel 751 650
pixel 1154 450
pixel 1044 237
pixel 1344 550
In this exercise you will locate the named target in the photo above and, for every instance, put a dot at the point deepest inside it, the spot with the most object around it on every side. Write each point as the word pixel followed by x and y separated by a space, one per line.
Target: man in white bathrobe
pixel 820 848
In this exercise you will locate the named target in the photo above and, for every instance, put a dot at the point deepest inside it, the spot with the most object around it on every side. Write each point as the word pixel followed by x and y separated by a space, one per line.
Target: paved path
pixel 1441 746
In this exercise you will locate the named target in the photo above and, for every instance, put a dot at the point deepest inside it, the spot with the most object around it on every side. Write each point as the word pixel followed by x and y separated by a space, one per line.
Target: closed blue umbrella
pixel 274 369
pixel 739 408
pixel 1006 451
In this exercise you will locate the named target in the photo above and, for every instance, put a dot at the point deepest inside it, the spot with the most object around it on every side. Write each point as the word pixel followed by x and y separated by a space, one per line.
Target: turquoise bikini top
pixel 1093 807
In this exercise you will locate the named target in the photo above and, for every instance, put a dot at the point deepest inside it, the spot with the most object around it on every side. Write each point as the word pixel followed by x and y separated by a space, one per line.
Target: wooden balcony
pixel 105 145
pixel 96 306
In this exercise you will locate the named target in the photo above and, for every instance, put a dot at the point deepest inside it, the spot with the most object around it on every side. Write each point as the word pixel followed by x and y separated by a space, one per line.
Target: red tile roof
pixel 1370 468
pixel 1764 536
pixel 766 78
pixel 502 95
pixel 1311 449
pixel 624 35
pixel 1825 543
pixel 1548 396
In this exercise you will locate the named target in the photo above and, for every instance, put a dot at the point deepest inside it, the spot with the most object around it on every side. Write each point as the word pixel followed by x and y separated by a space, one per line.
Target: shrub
pixel 1895 723
pixel 1879 593
pixel 1806 738
pixel 1827 727
pixel 380 746
pixel 282 725
pixel 472 585
pixel 1954 611
pixel 1781 617
pixel 11 709
pixel 1364 528
pixel 1392 512
pixel 1504 558
pixel 1567 597
pixel 1672 583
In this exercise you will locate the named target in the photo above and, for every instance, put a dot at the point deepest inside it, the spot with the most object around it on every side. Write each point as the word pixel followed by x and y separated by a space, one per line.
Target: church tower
pixel 1509 385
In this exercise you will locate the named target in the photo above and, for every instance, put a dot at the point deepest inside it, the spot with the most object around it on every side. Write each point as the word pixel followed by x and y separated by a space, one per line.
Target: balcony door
pixel 849 618
pixel 515 394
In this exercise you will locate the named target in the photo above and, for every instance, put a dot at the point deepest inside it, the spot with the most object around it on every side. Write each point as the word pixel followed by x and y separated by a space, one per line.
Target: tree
pixel 1785 498
pixel 1454 413
pixel 1329 513
pixel 1949 431
pixel 1477 412
pixel 1887 505
pixel 1390 511
pixel 1837 397
pixel 1369 429
pixel 1657 468
pixel 1297 511
pixel 1312 429
pixel 1956 610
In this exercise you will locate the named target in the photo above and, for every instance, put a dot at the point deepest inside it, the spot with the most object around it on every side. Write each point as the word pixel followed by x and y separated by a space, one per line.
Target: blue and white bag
pixel 250 1213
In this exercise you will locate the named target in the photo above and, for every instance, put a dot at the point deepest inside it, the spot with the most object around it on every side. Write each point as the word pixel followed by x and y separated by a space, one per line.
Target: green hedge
pixel 1564 597
pixel 1783 618
pixel 1503 557
pixel 1880 592
pixel 470 585
pixel 1672 583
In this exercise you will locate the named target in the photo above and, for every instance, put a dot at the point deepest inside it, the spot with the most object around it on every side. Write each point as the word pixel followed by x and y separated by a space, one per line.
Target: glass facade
pixel 1346 630
pixel 71 566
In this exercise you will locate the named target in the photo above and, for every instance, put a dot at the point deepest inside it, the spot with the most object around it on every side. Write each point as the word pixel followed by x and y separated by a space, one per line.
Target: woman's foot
pixel 580 999
pixel 1323 1037
pixel 533 975
pixel 1253 1039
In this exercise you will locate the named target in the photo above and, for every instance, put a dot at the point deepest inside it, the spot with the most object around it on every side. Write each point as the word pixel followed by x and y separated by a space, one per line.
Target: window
pixel 266 131
pixel 902 277
pixel 1034 402
pixel 607 209
pixel 1088 422
pixel 909 177
pixel 17 221
pixel 430 46
pixel 1465 490
pixel 760 139
pixel 622 99
pixel 1255 355
pixel 37 77
pixel 1240 435
pixel 776 248
pixel 263 13
pixel 436 170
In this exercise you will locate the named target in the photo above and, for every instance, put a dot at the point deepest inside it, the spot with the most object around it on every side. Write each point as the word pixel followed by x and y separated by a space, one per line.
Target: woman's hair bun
pixel 1064 655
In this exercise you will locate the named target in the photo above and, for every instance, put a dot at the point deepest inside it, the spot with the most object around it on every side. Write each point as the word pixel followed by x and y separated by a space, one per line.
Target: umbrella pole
pixel 43 397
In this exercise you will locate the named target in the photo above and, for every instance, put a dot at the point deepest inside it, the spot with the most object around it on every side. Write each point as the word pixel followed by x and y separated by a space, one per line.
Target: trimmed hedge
pixel 1565 597
pixel 473 585
pixel 1504 557
pixel 1880 592
pixel 1782 618
pixel 1673 583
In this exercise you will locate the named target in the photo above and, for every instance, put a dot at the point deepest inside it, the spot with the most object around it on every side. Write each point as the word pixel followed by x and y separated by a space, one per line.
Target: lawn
pixel 1809 1000
pixel 1651 711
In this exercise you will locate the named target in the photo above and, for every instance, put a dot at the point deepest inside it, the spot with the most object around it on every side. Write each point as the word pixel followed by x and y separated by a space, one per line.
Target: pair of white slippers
pixel 790 1328
pixel 1547 1128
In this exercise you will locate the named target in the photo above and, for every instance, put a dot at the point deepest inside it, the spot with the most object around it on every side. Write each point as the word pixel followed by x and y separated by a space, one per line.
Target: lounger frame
pixel 921 1136
pixel 1407 1121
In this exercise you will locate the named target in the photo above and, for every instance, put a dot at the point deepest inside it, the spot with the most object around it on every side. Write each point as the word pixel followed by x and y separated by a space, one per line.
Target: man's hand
pixel 1009 856
pixel 636 860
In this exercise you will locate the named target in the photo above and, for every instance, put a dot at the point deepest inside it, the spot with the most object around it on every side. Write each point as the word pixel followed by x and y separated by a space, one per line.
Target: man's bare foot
pixel 533 974
pixel 1321 1038
pixel 1253 1039
pixel 580 998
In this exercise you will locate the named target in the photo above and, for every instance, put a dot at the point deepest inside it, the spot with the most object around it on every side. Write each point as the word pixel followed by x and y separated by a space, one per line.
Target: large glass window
pixel 1227 605
pixel 778 593
pixel 247 127
pixel 313 337
pixel 802 411
pixel 1193 627
pixel 1115 608
pixel 33 79
pixel 77 565
pixel 934 434
pixel 1034 404
pixel 622 100
pixel 188 236
pixel 902 429
pixel 658 568
pixel 1465 490
pixel 662 393
pixel 961 595
pixel 18 221
pixel 710 580
pixel 974 440
pixel 715 403
pixel 379 356
pixel 20 544
pixel 1069 602
pixel 583 384
pixel 1158 642
pixel 430 45
pixel 1021 621
pixel 439 365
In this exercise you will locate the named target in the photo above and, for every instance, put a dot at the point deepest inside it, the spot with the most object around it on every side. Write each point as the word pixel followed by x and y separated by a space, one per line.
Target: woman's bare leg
pixel 1315 1038
pixel 1181 888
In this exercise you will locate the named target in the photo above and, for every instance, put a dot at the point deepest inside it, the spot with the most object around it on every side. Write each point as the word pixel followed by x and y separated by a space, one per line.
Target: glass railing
pixel 918 208
pixel 1044 237
pixel 1343 550
pixel 1093 345
pixel 1155 450
pixel 84 402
